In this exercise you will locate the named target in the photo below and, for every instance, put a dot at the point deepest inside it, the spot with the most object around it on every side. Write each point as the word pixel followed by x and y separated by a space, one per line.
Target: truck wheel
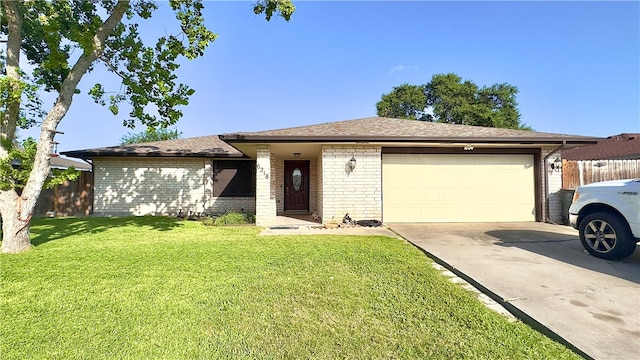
pixel 606 235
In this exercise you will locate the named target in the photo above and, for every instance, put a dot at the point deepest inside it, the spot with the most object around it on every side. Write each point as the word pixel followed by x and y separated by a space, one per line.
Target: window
pixel 234 178
pixel 297 179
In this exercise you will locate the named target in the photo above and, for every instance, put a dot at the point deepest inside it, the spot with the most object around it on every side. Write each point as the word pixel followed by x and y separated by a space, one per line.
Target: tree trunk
pixel 16 211
pixel 15 231
pixel 14 40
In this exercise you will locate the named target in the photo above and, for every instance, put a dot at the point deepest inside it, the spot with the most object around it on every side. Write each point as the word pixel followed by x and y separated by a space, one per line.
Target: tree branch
pixel 112 67
pixel 41 168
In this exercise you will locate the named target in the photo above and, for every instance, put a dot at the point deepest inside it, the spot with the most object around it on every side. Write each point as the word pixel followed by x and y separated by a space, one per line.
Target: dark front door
pixel 296 185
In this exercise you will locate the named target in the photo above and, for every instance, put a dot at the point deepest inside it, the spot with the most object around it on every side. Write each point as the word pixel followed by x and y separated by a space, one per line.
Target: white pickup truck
pixel 607 215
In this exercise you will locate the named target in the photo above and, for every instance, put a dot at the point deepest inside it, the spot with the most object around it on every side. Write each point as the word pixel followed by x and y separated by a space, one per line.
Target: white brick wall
pixel 159 186
pixel 358 193
pixel 265 185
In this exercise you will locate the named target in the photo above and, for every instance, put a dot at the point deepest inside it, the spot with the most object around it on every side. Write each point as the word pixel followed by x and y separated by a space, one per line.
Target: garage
pixel 458 187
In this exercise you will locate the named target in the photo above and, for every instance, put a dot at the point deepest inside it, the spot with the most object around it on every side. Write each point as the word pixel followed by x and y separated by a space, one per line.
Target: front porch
pixel 325 179
pixel 305 225
pixel 292 220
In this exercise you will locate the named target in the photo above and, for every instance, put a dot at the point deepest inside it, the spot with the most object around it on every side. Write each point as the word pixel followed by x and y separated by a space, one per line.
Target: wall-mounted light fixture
pixel 351 165
pixel 296 155
pixel 556 165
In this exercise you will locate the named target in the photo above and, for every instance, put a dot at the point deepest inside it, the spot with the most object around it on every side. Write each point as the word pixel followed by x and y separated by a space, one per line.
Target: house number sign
pixel 262 171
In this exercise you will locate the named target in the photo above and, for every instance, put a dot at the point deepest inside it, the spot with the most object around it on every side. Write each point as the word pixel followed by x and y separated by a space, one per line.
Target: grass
pixel 156 288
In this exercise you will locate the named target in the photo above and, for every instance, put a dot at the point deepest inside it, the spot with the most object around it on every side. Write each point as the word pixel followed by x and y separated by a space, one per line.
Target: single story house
pixel 393 170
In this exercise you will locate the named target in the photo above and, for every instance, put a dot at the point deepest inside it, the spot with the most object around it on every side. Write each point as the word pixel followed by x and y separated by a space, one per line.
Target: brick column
pixel 359 192
pixel 265 187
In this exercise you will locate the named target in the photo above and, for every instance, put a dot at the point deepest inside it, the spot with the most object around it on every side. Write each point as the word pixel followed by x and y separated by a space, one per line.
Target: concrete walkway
pixel 542 273
pixel 304 225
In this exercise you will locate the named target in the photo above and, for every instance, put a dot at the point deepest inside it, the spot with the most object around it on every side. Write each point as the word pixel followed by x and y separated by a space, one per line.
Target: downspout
pixel 546 180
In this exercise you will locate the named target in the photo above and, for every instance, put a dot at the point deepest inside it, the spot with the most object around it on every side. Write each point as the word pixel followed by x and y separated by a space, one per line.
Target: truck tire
pixel 607 236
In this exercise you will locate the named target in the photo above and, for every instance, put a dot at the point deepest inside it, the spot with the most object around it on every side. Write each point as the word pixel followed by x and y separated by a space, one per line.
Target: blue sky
pixel 576 64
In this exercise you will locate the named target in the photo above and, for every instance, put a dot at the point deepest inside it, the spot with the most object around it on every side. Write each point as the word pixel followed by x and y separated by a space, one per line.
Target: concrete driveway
pixel 541 271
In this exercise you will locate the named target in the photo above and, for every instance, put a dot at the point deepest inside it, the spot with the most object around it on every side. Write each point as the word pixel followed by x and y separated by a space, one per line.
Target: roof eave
pixel 239 138
pixel 93 154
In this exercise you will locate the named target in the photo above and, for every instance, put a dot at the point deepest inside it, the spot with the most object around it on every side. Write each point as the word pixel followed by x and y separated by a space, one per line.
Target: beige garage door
pixel 457 188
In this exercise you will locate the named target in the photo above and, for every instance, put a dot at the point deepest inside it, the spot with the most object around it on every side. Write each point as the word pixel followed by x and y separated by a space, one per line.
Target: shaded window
pixel 234 178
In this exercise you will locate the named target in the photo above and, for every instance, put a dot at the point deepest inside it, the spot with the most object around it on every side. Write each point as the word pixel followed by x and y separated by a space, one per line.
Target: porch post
pixel 265 187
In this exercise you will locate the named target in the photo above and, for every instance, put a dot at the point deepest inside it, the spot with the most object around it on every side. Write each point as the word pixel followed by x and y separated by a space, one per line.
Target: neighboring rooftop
pixel 616 147
pixel 388 129
pixel 58 162
pixel 203 146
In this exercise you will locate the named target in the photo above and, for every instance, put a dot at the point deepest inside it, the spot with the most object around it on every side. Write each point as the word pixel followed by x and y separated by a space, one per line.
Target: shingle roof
pixel 203 146
pixel 388 129
pixel 367 129
pixel 623 146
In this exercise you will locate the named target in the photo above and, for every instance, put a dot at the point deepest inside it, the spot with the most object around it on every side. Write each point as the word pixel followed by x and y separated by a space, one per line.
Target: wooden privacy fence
pixel 70 198
pixel 582 172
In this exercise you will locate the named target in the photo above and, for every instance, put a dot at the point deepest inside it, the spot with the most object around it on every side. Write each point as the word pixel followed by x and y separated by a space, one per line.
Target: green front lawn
pixel 160 288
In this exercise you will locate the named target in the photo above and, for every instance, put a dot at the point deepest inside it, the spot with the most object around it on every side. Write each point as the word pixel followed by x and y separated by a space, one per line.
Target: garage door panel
pixel 458 188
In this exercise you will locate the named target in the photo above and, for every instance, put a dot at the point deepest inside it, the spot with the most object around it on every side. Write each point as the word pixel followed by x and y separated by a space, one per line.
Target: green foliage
pixel 60 176
pixel 16 168
pixel 404 102
pixel 233 218
pixel 162 288
pixel 448 99
pixel 148 72
pixel 284 8
pixel 150 135
pixel 25 93
pixel 53 31
pixel 208 221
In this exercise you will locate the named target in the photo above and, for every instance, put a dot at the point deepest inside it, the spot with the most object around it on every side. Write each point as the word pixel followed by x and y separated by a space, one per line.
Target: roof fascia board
pixel 451 140
pixel 92 154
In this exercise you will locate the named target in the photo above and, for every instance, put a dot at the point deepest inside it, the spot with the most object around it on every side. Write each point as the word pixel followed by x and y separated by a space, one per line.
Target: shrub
pixel 251 218
pixel 233 218
pixel 208 221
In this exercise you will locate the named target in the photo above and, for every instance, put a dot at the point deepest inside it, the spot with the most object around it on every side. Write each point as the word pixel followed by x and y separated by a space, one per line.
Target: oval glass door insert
pixel 297 179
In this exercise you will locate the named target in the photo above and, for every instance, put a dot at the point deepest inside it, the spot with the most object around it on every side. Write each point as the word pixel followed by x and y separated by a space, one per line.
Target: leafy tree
pixel 448 99
pixel 404 102
pixel 64 40
pixel 150 135
pixel 452 101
